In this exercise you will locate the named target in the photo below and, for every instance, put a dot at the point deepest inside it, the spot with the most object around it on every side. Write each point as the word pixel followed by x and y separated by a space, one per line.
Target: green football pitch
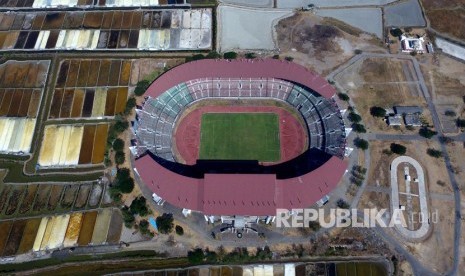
pixel 240 136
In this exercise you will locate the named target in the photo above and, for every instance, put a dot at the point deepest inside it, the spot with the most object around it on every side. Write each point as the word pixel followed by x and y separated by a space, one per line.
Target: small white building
pixel 412 44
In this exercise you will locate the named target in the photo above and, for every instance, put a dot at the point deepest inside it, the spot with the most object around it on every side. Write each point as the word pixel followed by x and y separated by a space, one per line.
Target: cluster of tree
pixel 343 97
pixel 427 132
pixel 361 143
pixel 359 128
pixel 116 129
pixel 238 255
pixel 341 203
pixel 354 117
pixel 398 149
pixel 123 183
pixel 141 87
pixel 165 223
pixel 144 228
pixel 139 206
pixel 377 111
pixel 460 122
pixel 434 153
pixel 358 175
pixel 179 230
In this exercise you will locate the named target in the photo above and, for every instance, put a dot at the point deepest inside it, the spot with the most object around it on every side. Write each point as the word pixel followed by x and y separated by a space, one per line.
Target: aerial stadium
pixel 239 137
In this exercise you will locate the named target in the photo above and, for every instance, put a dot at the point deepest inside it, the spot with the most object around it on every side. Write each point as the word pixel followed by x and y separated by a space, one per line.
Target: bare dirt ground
pixel 382 82
pixel 321 44
pixel 434 168
pixel 446 83
pixel 439 243
pixel 149 69
pixel 446 16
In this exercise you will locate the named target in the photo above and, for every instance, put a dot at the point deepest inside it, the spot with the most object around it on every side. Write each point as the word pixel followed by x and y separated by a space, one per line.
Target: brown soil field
pixel 99 144
pixel 87 228
pixel 69 196
pixel 4 195
pixel 93 73
pixel 84 70
pixel 63 74
pixel 107 19
pixel 111 101
pixel 93 20
pixel 42 197
pixel 125 73
pixel 55 197
pixel 35 103
pixel 136 20
pixel 73 20
pixel 38 21
pixel 25 102
pixel 5 228
pixel 88 103
pixel 29 235
pixel 14 240
pixel 54 20
pixel 6 102
pixel 121 100
pixel 114 72
pixel 434 168
pixel 20 74
pixel 104 72
pixel 82 196
pixel 14 108
pixel 78 101
pixel 65 110
pixel 446 16
pixel 56 103
pixel 72 73
pixel 7 21
pixel 28 199
pixel 10 40
pixel 15 197
pixel 117 20
pixel 114 232
pixel 85 156
pixel 127 20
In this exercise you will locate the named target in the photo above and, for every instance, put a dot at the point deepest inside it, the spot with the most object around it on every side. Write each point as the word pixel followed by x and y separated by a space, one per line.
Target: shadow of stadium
pixel 310 160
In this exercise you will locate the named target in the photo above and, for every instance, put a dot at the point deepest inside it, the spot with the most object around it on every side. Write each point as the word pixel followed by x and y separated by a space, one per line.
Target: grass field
pixel 240 136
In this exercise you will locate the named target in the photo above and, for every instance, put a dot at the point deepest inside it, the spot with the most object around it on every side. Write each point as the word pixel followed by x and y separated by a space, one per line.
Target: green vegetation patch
pixel 240 136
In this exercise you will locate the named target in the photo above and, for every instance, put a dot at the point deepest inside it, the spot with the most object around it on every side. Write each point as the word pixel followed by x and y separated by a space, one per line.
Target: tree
pixel 460 122
pixel 144 227
pixel 354 117
pixel 123 183
pixel 343 97
pixel 128 217
pixel 250 55
pixel 289 58
pixel 196 256
pixel 120 157
pixel 396 32
pixel 141 87
pixel 230 55
pixel 118 144
pixel 427 133
pixel 398 149
pixel 165 223
pixel 139 206
pixel 377 111
pixel 361 143
pixel 179 230
pixel 120 126
pixel 213 55
pixel 341 203
pixel 358 51
pixel 359 128
pixel 276 57
pixel 130 104
pixel 434 153
pixel 314 225
pixel 450 113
